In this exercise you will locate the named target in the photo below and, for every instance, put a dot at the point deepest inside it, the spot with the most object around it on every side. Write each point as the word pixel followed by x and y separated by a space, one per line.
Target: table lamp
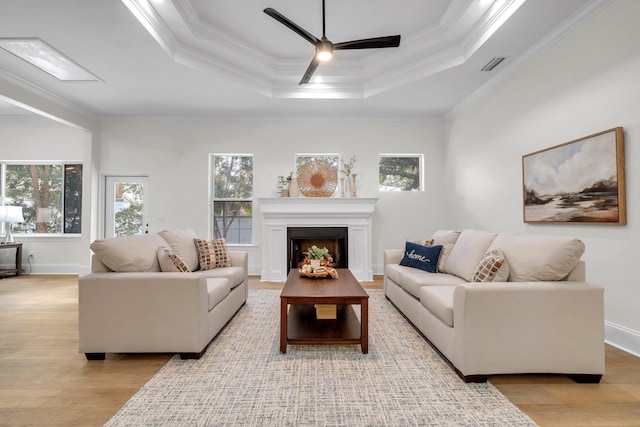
pixel 10 214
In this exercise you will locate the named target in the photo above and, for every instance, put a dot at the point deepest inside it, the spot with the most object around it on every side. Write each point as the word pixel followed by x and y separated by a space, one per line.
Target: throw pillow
pixel 170 262
pixel 492 268
pixel 212 253
pixel 181 244
pixel 422 257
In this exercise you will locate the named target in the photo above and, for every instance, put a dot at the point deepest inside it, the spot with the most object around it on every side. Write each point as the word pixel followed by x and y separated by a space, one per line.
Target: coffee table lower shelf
pixel 304 328
pixel 298 321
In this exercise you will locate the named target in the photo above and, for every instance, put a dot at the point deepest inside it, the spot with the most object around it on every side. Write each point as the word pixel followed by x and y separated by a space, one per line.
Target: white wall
pixel 174 153
pixel 34 138
pixel 586 83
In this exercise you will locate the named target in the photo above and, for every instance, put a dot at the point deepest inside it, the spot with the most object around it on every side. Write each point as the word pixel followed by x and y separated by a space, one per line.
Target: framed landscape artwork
pixel 580 182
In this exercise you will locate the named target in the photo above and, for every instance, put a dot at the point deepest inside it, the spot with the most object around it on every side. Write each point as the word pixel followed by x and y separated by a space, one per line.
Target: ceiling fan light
pixel 324 56
pixel 324 51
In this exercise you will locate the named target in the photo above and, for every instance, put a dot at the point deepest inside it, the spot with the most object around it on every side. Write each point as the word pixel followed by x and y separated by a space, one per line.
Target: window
pixel 50 195
pixel 401 172
pixel 332 159
pixel 232 197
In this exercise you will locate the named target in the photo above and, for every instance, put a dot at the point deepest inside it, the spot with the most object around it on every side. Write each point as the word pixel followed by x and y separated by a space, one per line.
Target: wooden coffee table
pixel 298 323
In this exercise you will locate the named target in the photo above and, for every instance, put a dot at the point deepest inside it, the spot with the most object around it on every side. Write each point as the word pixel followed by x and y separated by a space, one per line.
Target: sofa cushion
pixel 217 289
pixel 467 253
pixel 212 253
pixel 170 262
pixel 412 280
pixel 421 257
pixel 439 301
pixel 534 258
pixel 446 238
pixel 182 244
pixel 129 253
pixel 493 267
pixel 236 275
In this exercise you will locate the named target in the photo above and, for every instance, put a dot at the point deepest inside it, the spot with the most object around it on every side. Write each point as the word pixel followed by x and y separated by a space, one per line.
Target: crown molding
pixel 550 39
pixel 34 98
pixel 462 29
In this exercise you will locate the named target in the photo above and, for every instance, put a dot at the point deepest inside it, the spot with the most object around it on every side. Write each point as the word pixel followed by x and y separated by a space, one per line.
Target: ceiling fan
pixel 324 47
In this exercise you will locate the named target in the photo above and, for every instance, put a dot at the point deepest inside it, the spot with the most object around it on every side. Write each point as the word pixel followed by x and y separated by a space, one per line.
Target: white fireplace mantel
pixel 279 213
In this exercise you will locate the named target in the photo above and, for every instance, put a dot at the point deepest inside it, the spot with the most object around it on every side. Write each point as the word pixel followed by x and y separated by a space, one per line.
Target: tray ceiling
pixel 228 58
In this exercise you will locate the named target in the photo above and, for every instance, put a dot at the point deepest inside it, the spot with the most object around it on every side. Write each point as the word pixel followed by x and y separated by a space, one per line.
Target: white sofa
pixel 540 317
pixel 135 300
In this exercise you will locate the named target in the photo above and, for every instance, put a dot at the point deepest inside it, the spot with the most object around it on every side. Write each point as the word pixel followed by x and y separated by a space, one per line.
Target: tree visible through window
pixel 50 196
pixel 232 197
pixel 129 198
pixel 400 172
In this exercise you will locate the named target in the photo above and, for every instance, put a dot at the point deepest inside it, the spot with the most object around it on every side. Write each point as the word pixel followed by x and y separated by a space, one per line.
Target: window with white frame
pixel 401 172
pixel 232 187
pixel 331 159
pixel 50 195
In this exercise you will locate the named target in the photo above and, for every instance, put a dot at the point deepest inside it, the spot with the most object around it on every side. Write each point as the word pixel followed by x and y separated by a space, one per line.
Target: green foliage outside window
pixel 128 217
pixel 232 197
pixel 400 172
pixel 42 190
pixel 38 189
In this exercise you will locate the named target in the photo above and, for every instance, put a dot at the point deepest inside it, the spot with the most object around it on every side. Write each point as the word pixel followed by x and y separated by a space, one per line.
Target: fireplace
pixel 282 213
pixel 300 239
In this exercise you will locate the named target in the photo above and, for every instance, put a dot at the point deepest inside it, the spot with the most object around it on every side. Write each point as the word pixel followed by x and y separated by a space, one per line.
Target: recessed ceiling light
pixel 39 54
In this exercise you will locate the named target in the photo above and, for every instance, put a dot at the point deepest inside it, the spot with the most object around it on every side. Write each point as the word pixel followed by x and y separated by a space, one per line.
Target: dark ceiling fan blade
pixel 373 43
pixel 292 25
pixel 310 70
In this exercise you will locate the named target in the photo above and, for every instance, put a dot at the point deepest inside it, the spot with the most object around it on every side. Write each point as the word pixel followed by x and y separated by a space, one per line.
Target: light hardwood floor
pixel 44 381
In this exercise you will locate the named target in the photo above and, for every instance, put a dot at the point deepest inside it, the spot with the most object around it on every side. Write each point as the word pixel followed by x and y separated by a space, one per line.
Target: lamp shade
pixel 11 214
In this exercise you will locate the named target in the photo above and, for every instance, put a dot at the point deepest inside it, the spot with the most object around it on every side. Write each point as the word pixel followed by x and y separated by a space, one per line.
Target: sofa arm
pixel 393 256
pixel 543 327
pixel 239 259
pixel 160 312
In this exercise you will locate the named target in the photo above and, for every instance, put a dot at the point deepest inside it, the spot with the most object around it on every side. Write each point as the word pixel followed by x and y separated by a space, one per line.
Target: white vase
pixel 315 263
pixel 294 189
pixel 342 186
pixel 347 186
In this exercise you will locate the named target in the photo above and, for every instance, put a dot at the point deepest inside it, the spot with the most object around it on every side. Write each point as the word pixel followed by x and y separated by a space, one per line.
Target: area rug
pixel 243 380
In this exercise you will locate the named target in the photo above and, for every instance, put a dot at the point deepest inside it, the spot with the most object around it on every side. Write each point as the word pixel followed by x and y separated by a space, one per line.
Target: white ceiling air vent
pixel 492 64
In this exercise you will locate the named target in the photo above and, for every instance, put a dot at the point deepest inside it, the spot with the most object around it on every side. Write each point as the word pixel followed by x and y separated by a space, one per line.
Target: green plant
pixel 348 167
pixel 317 253
pixel 288 178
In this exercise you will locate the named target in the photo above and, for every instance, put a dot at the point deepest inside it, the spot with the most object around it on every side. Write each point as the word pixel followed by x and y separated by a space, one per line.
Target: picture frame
pixel 578 182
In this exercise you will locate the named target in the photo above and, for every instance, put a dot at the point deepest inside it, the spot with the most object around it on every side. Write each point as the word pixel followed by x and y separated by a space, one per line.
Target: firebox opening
pixel 300 239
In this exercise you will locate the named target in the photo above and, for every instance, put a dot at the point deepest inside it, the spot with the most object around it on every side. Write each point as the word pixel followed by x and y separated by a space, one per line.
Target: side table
pixel 18 270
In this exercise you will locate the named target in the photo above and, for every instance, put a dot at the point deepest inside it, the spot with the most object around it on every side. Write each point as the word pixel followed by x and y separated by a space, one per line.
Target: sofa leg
pixel 95 356
pixel 586 379
pixel 473 378
pixel 184 356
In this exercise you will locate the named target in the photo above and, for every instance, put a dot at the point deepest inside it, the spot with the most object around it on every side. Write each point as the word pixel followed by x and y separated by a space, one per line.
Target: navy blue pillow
pixel 422 257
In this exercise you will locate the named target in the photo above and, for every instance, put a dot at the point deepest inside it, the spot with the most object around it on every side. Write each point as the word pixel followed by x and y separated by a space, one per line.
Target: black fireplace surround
pixel 300 239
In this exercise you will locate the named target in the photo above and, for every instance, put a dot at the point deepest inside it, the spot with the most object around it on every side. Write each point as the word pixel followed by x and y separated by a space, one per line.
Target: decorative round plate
pixel 317 179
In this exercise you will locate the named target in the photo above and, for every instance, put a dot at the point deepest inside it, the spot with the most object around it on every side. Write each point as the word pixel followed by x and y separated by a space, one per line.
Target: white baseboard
pixel 623 338
pixel 55 269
